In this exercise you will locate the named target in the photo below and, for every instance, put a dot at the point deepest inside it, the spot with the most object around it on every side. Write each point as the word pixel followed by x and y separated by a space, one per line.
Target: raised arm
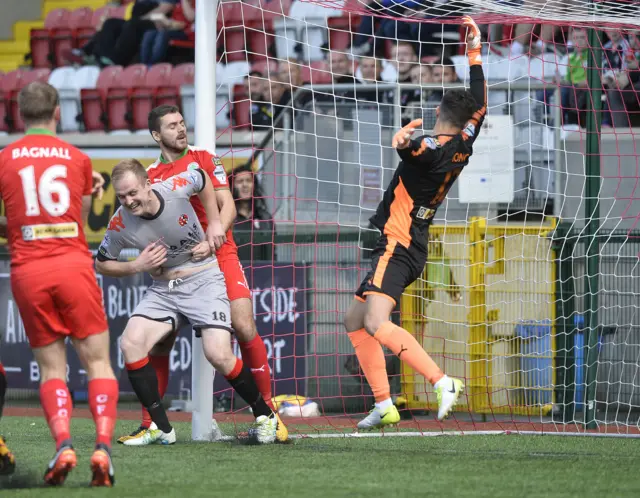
pixel 477 83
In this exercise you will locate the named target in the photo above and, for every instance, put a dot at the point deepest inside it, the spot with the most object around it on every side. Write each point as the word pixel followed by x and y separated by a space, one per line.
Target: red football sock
pixel 57 405
pixel 161 366
pixel 103 403
pixel 254 354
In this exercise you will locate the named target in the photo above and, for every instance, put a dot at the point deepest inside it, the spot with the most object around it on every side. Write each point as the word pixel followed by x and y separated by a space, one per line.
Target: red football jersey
pixel 42 181
pixel 195 157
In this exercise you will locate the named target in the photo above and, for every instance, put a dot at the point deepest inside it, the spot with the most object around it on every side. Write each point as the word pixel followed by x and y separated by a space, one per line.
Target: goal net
pixel 530 293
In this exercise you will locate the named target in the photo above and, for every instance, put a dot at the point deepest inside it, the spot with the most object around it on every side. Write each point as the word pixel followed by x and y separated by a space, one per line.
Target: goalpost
pixel 531 289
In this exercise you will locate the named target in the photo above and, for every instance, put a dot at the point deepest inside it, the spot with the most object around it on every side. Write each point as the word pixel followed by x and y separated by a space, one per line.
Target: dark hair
pixel 259 206
pixel 157 113
pixel 37 103
pixel 457 107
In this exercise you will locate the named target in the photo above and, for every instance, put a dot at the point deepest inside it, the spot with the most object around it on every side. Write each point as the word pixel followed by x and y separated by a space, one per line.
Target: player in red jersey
pixel 47 185
pixel 168 129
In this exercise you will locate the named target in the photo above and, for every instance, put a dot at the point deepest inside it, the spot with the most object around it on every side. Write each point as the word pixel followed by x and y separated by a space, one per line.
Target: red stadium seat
pixel 64 39
pixel 26 77
pixel 8 83
pixel 340 30
pixel 143 97
pixel 118 103
pixel 40 42
pixel 184 74
pixel 93 100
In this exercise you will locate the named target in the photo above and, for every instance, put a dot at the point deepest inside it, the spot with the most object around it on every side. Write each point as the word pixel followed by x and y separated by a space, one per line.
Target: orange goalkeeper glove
pixel 473 40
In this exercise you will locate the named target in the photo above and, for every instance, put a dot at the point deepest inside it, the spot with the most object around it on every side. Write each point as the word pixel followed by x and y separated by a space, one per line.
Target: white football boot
pixel 448 391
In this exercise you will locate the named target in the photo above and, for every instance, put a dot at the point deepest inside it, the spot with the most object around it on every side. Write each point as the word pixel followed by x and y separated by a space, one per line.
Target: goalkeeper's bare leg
pixel 369 328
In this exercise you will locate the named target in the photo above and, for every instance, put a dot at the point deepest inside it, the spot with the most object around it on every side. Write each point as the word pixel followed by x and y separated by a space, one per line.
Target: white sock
pixel 383 405
pixel 444 379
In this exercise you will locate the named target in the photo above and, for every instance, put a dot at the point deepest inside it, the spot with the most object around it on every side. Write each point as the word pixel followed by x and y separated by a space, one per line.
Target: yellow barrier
pixel 480 282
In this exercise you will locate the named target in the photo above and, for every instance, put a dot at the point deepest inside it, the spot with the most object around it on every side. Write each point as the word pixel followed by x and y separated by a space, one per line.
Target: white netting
pixel 502 300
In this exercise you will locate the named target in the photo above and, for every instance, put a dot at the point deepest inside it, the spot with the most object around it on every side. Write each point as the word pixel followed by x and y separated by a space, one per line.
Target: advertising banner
pixel 279 306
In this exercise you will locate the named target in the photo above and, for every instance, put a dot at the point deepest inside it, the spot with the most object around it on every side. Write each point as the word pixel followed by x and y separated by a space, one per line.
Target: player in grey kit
pixel 188 286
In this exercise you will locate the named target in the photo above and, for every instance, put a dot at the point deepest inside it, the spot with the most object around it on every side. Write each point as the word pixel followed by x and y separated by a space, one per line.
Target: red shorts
pixel 64 301
pixel 237 286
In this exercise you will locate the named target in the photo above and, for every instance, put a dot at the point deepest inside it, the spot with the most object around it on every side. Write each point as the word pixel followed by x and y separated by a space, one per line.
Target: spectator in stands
pixel 341 68
pixel 574 92
pixel 155 42
pixel 257 88
pixel 251 208
pixel 623 93
pixel 370 73
pixel 370 70
pixel 117 40
pixel 254 227
pixel 403 55
pixel 616 51
pixel 128 43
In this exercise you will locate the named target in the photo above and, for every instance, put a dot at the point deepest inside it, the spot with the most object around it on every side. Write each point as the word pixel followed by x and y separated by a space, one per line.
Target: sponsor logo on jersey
pixel 459 157
pixel 179 181
pixel 425 213
pixel 219 172
pixel 431 143
pixel 183 220
pixel 116 222
pixel 53 231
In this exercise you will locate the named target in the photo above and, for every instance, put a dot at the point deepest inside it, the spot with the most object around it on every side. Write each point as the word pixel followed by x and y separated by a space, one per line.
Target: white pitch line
pixel 457 433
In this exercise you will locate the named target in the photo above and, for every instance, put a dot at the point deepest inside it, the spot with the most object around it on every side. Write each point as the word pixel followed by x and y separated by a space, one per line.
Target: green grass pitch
pixel 456 466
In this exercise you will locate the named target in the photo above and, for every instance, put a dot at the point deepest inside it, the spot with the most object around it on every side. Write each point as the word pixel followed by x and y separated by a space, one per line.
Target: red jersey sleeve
pixel 213 166
pixel 88 176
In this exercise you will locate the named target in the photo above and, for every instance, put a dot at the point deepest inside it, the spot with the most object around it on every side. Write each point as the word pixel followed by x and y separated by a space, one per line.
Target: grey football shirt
pixel 175 225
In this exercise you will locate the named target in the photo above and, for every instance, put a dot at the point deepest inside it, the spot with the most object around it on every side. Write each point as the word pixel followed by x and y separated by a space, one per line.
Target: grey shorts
pixel 199 300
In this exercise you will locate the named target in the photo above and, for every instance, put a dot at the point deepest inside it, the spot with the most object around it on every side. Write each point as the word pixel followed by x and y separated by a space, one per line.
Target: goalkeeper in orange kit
pixel 429 166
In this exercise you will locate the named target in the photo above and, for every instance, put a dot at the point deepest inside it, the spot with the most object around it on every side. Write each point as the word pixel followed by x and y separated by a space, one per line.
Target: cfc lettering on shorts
pixel 459 157
pixel 179 181
pixel 116 222
pixel 183 220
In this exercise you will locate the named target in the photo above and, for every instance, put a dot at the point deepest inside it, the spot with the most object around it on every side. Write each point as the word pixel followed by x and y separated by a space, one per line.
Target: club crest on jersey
pixel 431 143
pixel 183 220
pixel 193 166
pixel 425 213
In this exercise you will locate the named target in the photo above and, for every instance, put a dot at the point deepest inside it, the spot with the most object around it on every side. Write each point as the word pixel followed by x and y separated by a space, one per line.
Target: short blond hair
pixel 129 166
pixel 37 103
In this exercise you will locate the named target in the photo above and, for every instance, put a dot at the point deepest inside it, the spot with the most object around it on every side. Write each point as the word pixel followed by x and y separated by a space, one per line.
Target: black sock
pixel 145 384
pixel 3 388
pixel 247 389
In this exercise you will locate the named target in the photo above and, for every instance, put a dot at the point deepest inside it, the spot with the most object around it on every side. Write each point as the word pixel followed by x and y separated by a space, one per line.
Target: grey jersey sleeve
pixel 113 241
pixel 186 184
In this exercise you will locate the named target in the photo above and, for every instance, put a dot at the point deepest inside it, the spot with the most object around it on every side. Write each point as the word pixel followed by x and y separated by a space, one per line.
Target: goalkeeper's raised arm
pixel 477 83
pixel 460 113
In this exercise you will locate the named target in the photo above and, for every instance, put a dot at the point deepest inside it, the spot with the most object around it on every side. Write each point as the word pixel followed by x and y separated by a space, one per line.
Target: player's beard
pixel 175 146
